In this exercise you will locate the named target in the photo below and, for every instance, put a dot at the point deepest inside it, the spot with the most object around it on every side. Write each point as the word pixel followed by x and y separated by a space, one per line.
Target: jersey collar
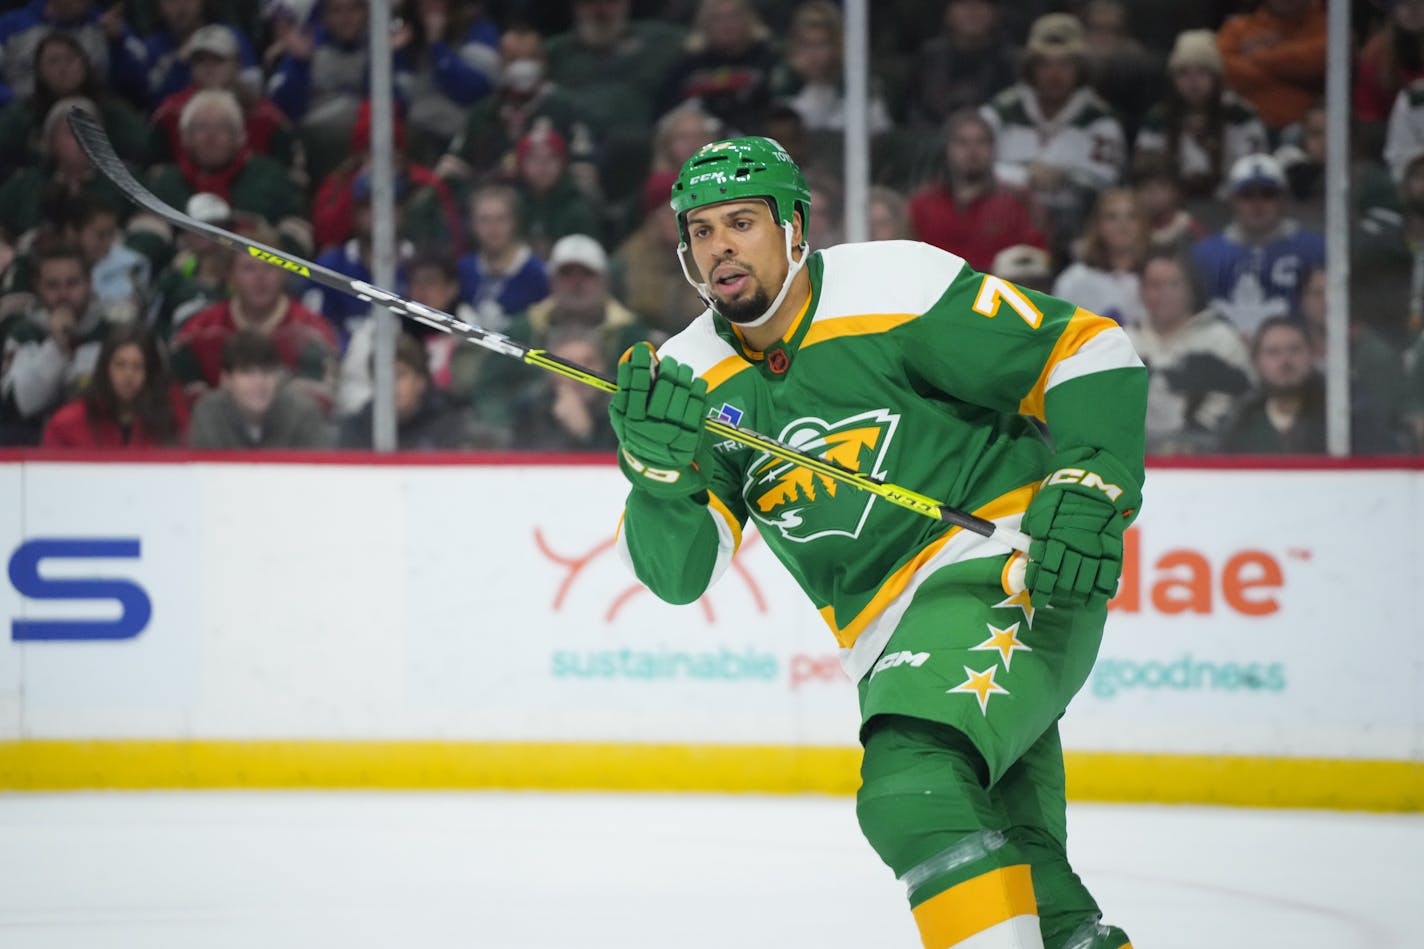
pixel 776 359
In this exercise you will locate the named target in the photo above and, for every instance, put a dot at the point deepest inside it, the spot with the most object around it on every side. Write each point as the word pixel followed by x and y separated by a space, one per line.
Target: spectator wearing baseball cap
pixel 1054 134
pixel 554 205
pixel 196 278
pixel 579 297
pixel 1256 266
pixel 1025 265
pixel 165 64
pixel 214 58
pixel 1201 128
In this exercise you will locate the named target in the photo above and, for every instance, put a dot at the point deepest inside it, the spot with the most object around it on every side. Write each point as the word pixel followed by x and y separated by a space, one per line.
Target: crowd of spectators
pixel 1162 164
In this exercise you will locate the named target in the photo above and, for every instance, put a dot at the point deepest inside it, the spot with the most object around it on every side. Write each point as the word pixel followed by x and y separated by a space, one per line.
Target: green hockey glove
pixel 1077 520
pixel 657 414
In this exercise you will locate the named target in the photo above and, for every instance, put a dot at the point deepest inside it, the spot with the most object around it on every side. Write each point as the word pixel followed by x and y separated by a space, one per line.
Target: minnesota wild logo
pixel 804 505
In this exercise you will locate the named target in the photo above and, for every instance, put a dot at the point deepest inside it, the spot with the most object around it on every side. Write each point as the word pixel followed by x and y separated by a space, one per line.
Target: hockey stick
pixel 95 143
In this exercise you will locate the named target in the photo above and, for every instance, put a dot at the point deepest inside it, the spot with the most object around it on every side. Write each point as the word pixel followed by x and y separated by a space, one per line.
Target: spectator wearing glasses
pixel 1256 266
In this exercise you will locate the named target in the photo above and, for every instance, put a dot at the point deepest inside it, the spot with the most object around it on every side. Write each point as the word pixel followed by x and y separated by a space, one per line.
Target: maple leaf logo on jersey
pixel 804 505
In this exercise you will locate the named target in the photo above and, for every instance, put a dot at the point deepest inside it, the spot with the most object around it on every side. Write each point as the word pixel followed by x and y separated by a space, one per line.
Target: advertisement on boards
pixel 545 631
pixel 1261 612
pixel 102 599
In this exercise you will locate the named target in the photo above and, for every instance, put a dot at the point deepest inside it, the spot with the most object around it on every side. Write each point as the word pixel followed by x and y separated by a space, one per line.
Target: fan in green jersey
pixel 898 360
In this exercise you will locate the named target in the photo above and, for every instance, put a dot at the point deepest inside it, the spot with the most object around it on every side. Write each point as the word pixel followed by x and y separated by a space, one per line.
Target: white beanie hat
pixel 1196 48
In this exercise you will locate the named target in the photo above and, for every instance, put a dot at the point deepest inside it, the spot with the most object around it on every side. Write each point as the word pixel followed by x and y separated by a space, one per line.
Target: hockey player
pixel 897 359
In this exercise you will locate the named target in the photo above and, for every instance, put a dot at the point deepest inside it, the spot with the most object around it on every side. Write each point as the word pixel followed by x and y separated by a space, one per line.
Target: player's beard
pixel 746 309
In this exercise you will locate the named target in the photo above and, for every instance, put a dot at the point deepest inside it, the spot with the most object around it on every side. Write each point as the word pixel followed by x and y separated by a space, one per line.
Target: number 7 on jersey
pixel 995 290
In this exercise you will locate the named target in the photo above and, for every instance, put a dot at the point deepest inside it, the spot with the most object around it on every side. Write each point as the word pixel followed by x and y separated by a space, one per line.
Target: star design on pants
pixel 1003 641
pixel 981 685
pixel 1019 600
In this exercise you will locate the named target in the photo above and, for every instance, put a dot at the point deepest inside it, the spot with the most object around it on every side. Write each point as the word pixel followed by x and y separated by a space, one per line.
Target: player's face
pixel 126 372
pixel 740 251
pixel 1283 359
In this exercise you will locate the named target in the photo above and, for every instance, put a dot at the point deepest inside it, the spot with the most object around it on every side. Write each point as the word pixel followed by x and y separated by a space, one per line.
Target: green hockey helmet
pixel 739 168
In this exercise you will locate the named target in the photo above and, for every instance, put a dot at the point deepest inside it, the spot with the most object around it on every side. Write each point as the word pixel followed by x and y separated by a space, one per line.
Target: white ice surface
pixel 539 871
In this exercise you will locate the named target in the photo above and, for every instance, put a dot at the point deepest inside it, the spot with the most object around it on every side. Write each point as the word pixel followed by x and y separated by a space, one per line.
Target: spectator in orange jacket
pixel 130 401
pixel 1275 58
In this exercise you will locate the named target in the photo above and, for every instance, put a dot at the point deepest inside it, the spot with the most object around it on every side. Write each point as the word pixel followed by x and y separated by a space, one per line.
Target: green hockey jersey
pixel 909 365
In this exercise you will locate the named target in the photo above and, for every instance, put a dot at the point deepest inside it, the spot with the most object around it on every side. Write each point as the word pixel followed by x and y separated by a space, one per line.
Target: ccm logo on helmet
pixel 1087 479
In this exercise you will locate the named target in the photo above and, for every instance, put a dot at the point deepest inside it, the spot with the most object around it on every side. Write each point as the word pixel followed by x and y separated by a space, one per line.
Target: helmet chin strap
pixel 792 266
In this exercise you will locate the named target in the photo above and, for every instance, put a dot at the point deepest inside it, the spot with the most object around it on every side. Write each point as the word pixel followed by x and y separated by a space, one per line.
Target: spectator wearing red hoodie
pixel 431 217
pixel 968 212
pixel 130 401
pixel 305 342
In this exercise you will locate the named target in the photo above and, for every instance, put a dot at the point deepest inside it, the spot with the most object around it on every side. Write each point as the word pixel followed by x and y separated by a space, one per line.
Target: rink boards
pixel 315 623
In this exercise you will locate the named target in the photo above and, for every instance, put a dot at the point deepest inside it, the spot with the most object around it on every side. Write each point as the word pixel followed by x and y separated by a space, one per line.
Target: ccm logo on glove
pixel 665 475
pixel 1084 477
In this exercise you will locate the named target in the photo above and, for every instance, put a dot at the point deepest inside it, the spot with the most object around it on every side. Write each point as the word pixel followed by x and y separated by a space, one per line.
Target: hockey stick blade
pixel 95 143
